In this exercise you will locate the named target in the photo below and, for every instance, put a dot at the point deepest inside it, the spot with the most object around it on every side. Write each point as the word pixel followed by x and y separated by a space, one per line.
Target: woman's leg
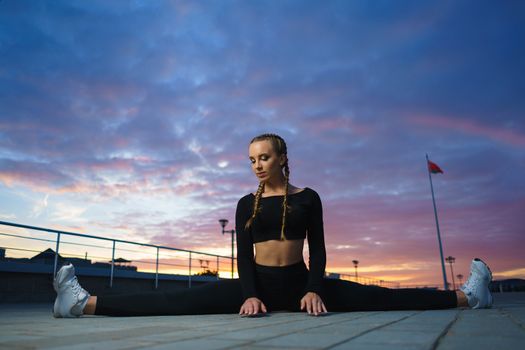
pixel 340 295
pixel 91 305
pixel 219 297
pixel 72 300
pixel 462 299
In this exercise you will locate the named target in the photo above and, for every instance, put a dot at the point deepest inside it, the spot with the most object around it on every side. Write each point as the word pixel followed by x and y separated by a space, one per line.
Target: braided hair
pixel 280 148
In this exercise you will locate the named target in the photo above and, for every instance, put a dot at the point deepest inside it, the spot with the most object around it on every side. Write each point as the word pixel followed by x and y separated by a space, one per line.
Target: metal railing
pixel 114 242
pixel 360 279
pixel 365 280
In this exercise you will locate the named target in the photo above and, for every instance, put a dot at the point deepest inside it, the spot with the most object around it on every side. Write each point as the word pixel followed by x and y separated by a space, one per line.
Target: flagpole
pixel 438 233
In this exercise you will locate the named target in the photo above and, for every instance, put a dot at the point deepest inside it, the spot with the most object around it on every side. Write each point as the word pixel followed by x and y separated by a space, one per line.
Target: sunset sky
pixel 131 120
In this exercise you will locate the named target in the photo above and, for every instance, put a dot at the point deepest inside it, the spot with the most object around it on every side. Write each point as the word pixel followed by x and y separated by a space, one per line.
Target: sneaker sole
pixel 484 264
pixel 480 306
pixel 58 276
pixel 487 266
pixel 61 271
pixel 56 314
pixel 491 300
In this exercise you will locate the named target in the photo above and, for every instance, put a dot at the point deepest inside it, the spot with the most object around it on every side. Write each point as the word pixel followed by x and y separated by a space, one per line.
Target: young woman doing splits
pixel 277 218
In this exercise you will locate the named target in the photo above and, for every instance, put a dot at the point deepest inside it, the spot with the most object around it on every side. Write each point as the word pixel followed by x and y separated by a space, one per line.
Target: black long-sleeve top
pixel 304 220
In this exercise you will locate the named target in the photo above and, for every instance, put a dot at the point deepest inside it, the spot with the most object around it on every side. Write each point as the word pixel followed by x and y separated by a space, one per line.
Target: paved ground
pixel 29 326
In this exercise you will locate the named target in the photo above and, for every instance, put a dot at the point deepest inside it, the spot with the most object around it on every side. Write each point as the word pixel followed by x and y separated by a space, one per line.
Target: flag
pixel 433 168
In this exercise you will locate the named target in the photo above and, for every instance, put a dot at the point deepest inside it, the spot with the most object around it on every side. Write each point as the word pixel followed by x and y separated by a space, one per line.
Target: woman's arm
pixel 245 261
pixel 316 246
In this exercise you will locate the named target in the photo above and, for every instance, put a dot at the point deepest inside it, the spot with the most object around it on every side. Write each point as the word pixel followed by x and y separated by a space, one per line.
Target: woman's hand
pixel 313 304
pixel 252 306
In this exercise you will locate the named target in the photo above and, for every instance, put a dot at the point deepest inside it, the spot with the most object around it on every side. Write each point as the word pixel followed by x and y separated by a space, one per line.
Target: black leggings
pixel 280 288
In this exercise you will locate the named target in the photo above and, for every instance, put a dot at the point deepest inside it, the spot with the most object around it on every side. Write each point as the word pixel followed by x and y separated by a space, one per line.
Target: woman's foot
pixel 71 297
pixel 476 288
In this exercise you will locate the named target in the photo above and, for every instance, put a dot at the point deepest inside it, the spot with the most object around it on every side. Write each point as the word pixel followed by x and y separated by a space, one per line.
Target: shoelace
pixel 466 286
pixel 472 280
pixel 75 286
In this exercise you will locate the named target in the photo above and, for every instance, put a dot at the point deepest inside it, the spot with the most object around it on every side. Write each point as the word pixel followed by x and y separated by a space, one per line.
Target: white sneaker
pixel 476 288
pixel 71 297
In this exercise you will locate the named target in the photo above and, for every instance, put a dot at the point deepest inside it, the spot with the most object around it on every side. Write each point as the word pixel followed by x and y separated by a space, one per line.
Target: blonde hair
pixel 279 147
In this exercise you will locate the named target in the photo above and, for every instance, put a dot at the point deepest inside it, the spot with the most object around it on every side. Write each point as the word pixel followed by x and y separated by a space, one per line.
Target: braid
pixel 285 200
pixel 280 148
pixel 258 194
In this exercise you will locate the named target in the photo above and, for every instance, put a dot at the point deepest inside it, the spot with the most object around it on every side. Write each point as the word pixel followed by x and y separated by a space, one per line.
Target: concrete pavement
pixel 31 326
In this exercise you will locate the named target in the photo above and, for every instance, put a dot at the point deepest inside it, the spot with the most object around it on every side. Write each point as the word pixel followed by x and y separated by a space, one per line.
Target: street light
pixel 451 260
pixel 356 262
pixel 223 223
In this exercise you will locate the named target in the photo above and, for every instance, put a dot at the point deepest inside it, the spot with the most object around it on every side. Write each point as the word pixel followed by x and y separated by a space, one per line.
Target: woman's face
pixel 266 164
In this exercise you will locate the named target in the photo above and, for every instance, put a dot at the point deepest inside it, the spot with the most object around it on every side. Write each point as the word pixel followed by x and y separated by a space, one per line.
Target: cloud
pixel 8 216
pixel 520 272
pixel 148 107
pixel 471 127
pixel 67 212
pixel 40 207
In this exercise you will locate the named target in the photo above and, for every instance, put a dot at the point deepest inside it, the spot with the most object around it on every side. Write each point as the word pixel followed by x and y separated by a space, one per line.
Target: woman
pixel 276 220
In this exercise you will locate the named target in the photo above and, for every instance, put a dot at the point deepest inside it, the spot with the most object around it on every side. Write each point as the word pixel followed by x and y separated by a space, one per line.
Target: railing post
pixel 217 267
pixel 157 270
pixel 56 255
pixel 112 266
pixel 189 273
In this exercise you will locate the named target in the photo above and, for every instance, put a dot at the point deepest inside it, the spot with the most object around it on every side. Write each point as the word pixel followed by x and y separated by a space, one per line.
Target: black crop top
pixel 305 216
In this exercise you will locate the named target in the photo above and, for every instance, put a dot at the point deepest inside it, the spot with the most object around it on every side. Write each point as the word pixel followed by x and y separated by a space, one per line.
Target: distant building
pixel 508 285
pixel 47 257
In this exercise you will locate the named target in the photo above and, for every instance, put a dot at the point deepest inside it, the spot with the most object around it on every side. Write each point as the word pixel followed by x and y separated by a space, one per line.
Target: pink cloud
pixel 471 127
pixel 385 235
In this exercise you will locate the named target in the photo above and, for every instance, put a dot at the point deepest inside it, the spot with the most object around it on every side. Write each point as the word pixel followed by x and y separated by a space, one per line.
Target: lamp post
pixel 223 223
pixel 356 262
pixel 451 260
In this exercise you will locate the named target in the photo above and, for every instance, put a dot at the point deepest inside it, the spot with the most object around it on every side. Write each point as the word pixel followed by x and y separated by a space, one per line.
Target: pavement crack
pixel 445 331
pixel 370 330
pixel 509 315
pixel 254 342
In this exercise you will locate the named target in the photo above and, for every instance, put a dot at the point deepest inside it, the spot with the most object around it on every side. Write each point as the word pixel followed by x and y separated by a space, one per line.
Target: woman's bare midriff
pixel 279 253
